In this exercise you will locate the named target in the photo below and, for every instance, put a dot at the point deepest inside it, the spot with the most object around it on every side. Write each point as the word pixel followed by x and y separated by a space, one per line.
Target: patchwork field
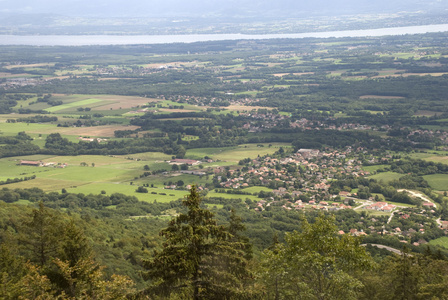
pixel 123 173
pixel 95 131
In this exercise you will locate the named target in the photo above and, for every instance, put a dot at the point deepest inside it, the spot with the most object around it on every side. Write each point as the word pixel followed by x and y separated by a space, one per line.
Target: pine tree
pixel 200 259
pixel 41 235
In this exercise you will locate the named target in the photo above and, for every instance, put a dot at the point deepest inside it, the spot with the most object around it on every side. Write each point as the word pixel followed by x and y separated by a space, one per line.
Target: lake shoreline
pixel 105 40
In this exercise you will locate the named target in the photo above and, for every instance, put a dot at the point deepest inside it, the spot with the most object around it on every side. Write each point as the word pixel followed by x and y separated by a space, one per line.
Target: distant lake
pixel 86 40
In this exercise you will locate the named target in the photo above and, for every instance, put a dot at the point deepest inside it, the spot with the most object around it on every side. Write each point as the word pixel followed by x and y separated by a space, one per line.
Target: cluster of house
pixel 313 125
pixel 114 70
pixel 20 81
pixel 202 101
pixel 262 120
pixel 181 161
pixel 299 204
pixel 314 170
pixel 381 206
pixel 88 139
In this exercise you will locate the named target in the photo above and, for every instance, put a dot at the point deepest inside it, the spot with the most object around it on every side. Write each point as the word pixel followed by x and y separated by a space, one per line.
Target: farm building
pixel 179 161
pixel 31 163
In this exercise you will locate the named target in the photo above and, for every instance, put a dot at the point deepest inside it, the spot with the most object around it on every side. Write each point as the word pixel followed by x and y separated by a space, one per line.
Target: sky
pixel 188 8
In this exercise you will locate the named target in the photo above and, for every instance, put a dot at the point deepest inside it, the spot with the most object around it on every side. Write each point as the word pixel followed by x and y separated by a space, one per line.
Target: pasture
pixel 442 241
pixel 81 170
pixel 68 106
pixel 235 154
pixel 386 176
pixel 154 194
pixel 438 182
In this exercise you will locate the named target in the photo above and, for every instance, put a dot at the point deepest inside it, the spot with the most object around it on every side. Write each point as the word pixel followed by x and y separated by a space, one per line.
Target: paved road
pixel 390 218
pixel 365 204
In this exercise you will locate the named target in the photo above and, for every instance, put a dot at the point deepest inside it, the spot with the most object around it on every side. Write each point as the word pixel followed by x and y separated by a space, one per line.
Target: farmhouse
pixel 31 163
pixel 198 173
pixel 179 161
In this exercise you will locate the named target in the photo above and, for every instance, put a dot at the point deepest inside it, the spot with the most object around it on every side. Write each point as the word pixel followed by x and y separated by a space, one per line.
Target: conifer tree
pixel 41 235
pixel 200 259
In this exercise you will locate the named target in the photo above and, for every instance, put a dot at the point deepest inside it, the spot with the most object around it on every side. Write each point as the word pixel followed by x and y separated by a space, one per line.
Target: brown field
pixel 175 110
pixel 171 64
pixel 95 131
pixel 248 108
pixel 45 184
pixel 5 75
pixel 121 102
pixel 58 77
pixel 178 119
pixel 424 74
pixel 30 65
pixel 427 113
pixel 380 97
pixel 410 74
pixel 106 79
pixel 296 74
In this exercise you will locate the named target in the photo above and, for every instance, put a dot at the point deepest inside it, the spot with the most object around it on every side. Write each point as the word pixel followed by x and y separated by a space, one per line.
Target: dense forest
pixel 200 255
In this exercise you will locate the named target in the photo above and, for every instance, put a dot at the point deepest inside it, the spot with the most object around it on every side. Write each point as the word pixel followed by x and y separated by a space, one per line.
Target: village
pixel 301 181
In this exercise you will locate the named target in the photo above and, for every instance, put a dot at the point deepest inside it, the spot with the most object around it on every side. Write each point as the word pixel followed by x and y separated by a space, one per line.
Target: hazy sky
pixel 120 8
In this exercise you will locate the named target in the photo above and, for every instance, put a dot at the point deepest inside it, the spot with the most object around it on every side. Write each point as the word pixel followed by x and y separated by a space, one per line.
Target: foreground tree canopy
pixel 200 259
pixel 317 263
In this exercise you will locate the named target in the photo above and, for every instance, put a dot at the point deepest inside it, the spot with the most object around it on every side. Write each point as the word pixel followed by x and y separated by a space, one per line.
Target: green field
pixel 232 196
pixel 373 168
pixel 437 181
pixel 107 169
pixel 257 189
pixel 386 176
pixel 14 128
pixel 86 102
pixel 235 154
pixel 128 189
pixel 442 241
pixel 95 173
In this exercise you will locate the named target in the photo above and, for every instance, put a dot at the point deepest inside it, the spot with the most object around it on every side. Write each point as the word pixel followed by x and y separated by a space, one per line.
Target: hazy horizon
pixel 173 8
pixel 213 16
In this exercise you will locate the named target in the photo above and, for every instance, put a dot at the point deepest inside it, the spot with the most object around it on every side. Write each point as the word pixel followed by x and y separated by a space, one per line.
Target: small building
pixel 181 161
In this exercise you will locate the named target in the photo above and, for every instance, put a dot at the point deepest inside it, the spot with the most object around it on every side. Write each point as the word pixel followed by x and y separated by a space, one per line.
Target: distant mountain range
pixel 220 8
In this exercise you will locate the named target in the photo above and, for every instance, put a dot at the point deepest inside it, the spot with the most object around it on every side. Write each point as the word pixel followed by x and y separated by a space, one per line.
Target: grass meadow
pixel 442 241
pixel 438 182
pixel 235 154
pixel 386 176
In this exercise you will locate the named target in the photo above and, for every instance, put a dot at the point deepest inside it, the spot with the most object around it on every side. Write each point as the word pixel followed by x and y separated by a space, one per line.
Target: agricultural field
pixel 386 176
pixel 121 173
pixel 443 241
pixel 225 105
pixel 438 182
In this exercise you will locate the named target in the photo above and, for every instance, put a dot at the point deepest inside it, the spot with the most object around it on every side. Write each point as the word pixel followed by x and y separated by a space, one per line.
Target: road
pixel 367 202
pixel 418 195
pixel 390 218
pixel 396 251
